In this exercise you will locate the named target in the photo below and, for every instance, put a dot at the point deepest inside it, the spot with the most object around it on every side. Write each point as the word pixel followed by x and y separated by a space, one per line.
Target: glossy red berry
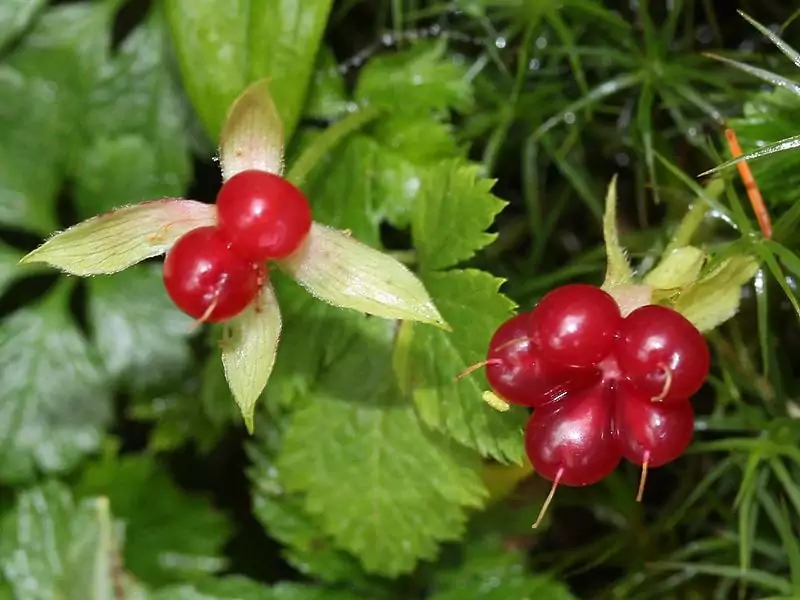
pixel 207 280
pixel 263 215
pixel 651 433
pixel 662 353
pixel 577 324
pixel 518 372
pixel 571 441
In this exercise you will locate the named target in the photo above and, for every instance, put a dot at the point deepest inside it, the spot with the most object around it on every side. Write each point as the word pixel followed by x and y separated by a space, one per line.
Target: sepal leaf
pixel 618 270
pixel 252 137
pixel 715 297
pixel 248 351
pixel 118 239
pixel 342 271
pixel 677 268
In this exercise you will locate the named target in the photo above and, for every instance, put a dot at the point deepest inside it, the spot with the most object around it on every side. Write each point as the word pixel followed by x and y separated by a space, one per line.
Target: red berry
pixel 571 441
pixel 207 280
pixel 519 373
pixel 662 353
pixel 577 324
pixel 263 215
pixel 651 433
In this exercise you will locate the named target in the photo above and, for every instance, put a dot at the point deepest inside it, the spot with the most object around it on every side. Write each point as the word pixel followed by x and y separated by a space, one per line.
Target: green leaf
pixel 16 16
pixel 199 411
pixel 116 240
pixel 135 326
pixel 335 268
pixel 30 156
pixel 618 270
pixel 46 86
pixel 428 362
pixel 52 548
pixel 499 576
pixel 421 78
pixel 248 351
pixel 450 219
pixel 285 517
pixel 327 95
pixel 170 536
pixel 55 403
pixel 240 588
pixel 715 297
pixel 136 122
pixel 9 267
pixel 222 47
pixel 382 486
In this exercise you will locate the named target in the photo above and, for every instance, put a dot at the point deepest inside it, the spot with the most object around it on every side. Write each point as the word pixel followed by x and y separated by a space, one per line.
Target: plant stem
pixel 327 141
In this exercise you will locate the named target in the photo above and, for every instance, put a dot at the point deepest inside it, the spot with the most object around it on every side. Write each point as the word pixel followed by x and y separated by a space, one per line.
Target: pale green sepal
pixel 118 239
pixel 715 298
pixel 249 346
pixel 618 270
pixel 342 271
pixel 252 136
pixel 677 269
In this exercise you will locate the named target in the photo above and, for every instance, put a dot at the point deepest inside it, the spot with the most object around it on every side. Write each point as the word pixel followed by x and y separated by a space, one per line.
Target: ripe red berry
pixel 662 353
pixel 518 371
pixel 207 280
pixel 263 215
pixel 650 434
pixel 571 441
pixel 577 324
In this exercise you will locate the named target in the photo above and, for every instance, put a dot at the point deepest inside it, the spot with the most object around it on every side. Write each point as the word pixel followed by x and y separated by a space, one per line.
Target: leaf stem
pixel 689 224
pixel 326 142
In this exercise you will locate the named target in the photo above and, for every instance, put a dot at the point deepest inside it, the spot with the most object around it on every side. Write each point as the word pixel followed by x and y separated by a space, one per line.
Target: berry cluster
pixel 603 387
pixel 214 273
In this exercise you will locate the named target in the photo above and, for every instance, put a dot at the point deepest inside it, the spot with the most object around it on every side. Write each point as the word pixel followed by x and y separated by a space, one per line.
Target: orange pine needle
pixel 753 193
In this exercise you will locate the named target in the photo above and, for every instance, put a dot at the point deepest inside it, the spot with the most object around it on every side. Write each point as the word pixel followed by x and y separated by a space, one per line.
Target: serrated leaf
pixel 261 39
pixel 116 240
pixel 240 588
pixel 198 412
pixel 51 547
pixel 286 520
pixel 252 136
pixel 137 125
pixel 618 269
pixel 492 571
pixel 248 351
pixel 429 361
pixel 50 76
pixel 15 16
pixel 30 158
pixel 342 271
pixel 679 268
pixel 451 218
pixel 55 402
pixel 362 475
pixel 135 326
pixel 715 298
pixel 423 77
pixel 170 536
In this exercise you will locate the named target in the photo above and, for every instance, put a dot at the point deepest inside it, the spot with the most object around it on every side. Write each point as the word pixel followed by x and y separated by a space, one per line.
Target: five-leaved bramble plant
pixel 217 256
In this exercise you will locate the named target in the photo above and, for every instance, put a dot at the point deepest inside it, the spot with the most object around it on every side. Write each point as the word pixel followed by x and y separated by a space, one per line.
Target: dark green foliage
pixel 490 130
